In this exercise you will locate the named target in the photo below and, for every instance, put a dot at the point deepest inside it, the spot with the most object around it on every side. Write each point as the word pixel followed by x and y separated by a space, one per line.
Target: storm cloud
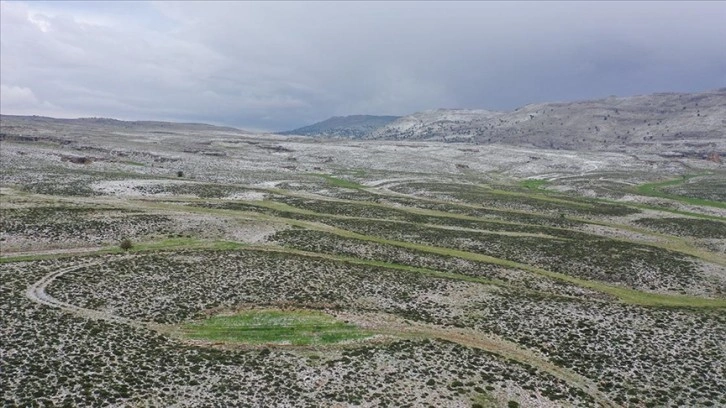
pixel 282 65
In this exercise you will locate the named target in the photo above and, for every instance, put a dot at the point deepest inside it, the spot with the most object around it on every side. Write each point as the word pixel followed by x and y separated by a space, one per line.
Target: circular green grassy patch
pixel 265 326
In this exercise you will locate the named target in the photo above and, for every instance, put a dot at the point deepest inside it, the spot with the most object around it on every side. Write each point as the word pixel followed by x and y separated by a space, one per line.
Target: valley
pixel 271 270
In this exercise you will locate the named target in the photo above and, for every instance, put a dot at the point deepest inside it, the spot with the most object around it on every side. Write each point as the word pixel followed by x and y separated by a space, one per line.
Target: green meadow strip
pixel 383 264
pixel 626 295
pixel 655 190
pixel 138 247
pixel 673 243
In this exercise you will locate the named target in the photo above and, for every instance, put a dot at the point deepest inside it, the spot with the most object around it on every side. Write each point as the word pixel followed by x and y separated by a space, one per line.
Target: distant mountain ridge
pixel 697 119
pixel 683 122
pixel 674 124
pixel 354 126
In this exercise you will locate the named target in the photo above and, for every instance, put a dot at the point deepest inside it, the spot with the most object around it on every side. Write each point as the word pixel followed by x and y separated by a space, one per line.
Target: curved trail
pixel 394 325
pixel 37 293
pixel 383 323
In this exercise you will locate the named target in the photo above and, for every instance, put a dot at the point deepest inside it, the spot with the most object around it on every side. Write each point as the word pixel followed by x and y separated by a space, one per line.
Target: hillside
pixel 84 124
pixel 83 135
pixel 344 126
pixel 670 120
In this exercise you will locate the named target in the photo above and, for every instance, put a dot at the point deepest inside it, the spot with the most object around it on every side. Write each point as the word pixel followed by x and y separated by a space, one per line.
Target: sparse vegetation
pixel 347 277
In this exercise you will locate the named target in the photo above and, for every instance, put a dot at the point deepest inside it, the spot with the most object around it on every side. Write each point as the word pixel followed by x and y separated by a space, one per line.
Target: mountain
pixel 437 124
pixel 664 119
pixel 353 126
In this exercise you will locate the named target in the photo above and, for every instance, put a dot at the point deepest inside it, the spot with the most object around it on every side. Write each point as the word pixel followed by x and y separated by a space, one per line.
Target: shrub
pixel 126 244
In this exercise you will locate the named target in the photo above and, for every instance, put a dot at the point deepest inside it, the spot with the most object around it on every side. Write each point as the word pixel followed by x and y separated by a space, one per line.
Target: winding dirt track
pixel 396 326
pixel 384 323
pixel 36 292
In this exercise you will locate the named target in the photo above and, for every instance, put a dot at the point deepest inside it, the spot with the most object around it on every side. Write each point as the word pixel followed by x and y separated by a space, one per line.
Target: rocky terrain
pixel 668 124
pixel 672 123
pixel 457 274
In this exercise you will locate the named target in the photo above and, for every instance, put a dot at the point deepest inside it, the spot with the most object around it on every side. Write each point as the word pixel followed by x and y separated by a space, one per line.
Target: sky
pixel 282 65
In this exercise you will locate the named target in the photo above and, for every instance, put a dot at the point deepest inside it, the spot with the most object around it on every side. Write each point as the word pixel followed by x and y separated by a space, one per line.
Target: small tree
pixel 180 173
pixel 126 244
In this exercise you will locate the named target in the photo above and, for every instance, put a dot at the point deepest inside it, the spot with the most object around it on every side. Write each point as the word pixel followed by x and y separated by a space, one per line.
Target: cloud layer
pixel 282 65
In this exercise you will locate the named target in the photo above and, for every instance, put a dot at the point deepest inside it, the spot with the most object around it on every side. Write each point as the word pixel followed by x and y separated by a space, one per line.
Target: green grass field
pixel 299 328
pixel 338 182
pixel 533 184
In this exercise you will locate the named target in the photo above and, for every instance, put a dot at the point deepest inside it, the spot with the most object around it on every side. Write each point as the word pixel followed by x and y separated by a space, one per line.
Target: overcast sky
pixel 278 65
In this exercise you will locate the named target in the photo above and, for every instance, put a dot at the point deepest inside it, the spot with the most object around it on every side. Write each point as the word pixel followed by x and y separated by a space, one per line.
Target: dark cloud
pixel 280 65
